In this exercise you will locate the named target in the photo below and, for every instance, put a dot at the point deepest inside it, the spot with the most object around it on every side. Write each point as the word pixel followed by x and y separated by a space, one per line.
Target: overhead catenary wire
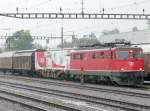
pixel 40 4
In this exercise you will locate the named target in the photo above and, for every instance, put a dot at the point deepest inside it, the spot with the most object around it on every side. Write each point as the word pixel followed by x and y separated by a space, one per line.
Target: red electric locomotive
pixel 121 65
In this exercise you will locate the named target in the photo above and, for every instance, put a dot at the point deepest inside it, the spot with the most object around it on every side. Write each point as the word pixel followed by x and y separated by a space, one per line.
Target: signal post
pixel 82 72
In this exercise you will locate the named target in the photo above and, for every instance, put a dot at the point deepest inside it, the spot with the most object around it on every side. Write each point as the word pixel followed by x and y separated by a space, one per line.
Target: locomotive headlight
pixel 140 69
pixel 122 69
pixel 131 51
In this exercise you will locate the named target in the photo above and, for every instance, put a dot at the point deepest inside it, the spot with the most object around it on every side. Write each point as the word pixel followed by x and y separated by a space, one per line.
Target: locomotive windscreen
pixel 129 53
pixel 122 55
pixel 136 54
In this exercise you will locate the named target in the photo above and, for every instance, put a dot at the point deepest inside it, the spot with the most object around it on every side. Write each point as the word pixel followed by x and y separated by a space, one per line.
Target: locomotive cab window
pixel 122 55
pixel 136 54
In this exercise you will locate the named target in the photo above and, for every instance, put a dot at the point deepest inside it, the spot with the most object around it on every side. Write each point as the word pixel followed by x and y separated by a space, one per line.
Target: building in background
pixel 141 36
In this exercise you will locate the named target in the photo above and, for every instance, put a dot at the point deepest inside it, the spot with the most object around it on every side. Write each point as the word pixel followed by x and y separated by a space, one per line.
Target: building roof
pixel 142 36
pixel 135 37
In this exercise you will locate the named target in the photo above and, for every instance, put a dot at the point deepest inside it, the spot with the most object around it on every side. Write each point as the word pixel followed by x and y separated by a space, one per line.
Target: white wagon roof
pixel 22 54
pixel 6 54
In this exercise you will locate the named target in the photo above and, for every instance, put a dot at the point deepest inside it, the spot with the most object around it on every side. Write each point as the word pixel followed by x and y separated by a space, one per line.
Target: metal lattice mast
pixel 82 7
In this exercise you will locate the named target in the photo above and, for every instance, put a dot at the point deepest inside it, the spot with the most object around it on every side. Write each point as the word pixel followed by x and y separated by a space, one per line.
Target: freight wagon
pixel 147 66
pixel 28 61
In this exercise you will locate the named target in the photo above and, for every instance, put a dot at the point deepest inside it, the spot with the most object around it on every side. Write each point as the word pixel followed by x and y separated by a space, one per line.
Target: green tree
pixel 88 39
pixel 20 40
pixel 38 46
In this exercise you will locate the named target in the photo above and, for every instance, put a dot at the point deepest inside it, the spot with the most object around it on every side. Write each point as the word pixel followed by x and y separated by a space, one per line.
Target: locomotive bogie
pixel 128 78
pixel 120 78
pixel 22 61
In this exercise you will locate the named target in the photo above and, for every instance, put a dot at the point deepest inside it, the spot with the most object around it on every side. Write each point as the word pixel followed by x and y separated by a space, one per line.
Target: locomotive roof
pixel 60 49
pixel 33 50
pixel 10 54
pixel 128 48
pixel 105 49
pixel 22 54
pixel 86 50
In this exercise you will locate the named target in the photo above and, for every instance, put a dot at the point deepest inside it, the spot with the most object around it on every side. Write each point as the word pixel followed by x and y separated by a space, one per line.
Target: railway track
pixel 91 99
pixel 6 97
pixel 85 87
pixel 32 102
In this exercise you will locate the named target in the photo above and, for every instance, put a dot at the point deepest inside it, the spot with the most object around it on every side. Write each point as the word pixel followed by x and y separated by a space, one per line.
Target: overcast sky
pixel 80 27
